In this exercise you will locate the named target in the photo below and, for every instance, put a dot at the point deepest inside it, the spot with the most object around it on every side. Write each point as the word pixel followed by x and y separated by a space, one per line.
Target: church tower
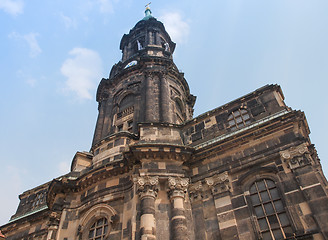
pixel 244 170
pixel 145 86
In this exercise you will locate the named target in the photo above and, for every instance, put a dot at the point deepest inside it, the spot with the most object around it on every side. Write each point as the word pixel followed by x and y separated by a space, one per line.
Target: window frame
pixel 92 216
pixel 94 227
pixel 124 112
pixel 238 121
pixel 265 216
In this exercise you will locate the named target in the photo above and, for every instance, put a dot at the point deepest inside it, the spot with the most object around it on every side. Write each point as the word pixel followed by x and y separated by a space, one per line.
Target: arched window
pixel 238 119
pixel 126 102
pixel 98 230
pixel 97 223
pixel 271 216
pixel 124 117
pixel 179 110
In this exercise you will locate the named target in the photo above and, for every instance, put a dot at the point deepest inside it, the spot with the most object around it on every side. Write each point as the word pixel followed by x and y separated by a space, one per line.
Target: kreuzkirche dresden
pixel 245 170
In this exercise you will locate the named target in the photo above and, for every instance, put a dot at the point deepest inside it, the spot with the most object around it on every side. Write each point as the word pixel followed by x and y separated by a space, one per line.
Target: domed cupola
pixel 147 38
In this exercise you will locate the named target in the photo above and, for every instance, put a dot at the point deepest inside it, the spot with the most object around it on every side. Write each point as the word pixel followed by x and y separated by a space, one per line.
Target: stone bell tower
pixel 145 86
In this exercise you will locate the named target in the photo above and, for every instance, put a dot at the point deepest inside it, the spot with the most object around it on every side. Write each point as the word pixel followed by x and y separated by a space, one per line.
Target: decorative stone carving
pixel 196 191
pixel 147 186
pixel 218 183
pixel 177 186
pixel 54 218
pixel 296 156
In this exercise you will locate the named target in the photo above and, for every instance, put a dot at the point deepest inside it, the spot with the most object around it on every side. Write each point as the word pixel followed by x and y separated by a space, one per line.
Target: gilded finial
pixel 147 6
pixel 147 12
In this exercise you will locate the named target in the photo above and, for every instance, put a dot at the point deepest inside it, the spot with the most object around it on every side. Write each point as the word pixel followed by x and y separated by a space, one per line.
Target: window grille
pixel 271 216
pixel 238 119
pixel 98 230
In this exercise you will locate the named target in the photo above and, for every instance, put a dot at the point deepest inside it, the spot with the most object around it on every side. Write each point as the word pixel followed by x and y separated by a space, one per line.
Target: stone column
pixel 177 190
pixel 147 188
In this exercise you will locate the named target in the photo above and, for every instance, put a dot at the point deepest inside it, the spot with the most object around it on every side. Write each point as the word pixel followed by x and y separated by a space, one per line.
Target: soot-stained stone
pixel 238 202
pixel 199 127
pixel 287 138
pixel 256 110
pixel 119 142
pixel 196 136
pixel 252 103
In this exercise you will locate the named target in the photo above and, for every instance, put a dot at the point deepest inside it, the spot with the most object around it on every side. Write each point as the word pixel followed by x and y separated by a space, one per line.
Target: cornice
pixel 112 137
pixel 27 218
pixel 66 185
pixel 155 151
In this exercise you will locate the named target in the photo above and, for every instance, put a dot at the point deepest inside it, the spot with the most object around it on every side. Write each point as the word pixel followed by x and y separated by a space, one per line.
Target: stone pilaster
pixel 147 189
pixel 220 187
pixel 53 226
pixel 177 191
pixel 196 191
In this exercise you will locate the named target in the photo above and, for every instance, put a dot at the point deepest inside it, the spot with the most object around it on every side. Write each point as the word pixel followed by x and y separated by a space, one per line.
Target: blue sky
pixel 54 53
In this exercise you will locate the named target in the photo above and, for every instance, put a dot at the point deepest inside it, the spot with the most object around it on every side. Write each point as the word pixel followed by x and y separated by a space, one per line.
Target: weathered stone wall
pixel 157 92
pixel 259 105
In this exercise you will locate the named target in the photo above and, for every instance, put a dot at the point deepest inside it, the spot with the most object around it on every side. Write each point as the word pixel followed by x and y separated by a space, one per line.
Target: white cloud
pixel 68 22
pixel 12 7
pixel 31 82
pixel 175 26
pixel 30 39
pixel 33 43
pixel 83 71
pixel 105 6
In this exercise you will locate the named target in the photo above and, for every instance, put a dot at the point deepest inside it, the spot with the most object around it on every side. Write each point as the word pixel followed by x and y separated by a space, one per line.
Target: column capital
pixel 196 191
pixel 218 183
pixel 297 156
pixel 177 186
pixel 147 186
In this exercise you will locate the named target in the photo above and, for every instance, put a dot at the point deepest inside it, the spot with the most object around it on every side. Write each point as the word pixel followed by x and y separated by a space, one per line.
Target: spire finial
pixel 147 6
pixel 147 12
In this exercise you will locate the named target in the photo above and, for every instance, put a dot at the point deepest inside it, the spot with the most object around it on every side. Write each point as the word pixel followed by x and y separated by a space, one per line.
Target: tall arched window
pixel 239 119
pixel 179 110
pixel 98 230
pixel 271 215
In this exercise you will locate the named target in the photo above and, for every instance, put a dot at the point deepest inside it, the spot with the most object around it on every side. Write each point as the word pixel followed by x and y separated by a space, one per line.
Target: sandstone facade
pixel 245 170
